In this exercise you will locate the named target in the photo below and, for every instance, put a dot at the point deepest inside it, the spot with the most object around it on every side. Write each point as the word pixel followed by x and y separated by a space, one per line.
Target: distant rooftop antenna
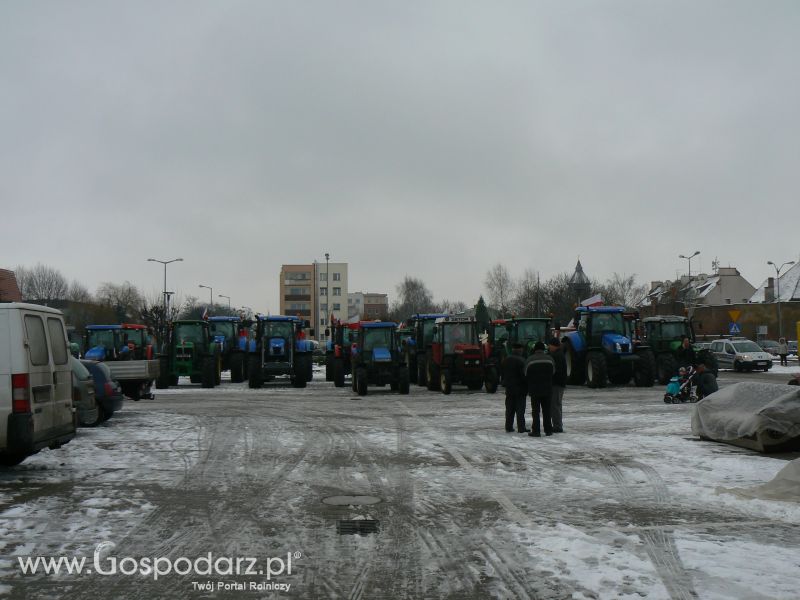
pixel 715 265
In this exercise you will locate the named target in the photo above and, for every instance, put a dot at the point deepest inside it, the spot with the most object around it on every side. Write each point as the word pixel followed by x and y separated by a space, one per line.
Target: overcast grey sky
pixel 424 138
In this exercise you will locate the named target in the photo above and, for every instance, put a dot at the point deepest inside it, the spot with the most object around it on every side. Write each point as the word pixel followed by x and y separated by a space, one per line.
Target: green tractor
pixel 189 350
pixel 377 360
pixel 664 334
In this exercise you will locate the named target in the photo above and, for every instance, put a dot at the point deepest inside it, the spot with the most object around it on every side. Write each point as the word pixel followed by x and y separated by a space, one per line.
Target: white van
pixel 35 382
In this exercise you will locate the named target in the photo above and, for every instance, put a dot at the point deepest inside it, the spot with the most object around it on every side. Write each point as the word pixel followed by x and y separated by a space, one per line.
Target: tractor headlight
pixel 618 347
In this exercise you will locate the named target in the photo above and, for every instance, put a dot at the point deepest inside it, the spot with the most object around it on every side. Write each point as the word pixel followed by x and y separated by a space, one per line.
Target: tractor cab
pixel 419 344
pixel 190 350
pixel 117 342
pixel 527 331
pixel 456 355
pixel 231 335
pixel 225 330
pixel 341 340
pixel 280 347
pixel 664 334
pixel 376 358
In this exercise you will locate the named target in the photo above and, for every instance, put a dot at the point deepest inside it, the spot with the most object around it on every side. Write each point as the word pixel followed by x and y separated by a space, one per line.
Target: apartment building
pixel 314 292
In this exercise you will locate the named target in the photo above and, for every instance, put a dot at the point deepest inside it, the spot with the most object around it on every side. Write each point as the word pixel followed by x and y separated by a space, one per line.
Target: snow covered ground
pixel 625 504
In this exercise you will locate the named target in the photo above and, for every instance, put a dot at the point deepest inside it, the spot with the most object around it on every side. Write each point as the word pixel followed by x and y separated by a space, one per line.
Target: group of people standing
pixel 544 376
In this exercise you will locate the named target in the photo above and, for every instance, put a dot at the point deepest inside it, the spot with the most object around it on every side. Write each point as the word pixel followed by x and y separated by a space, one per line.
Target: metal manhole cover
pixel 357 526
pixel 350 500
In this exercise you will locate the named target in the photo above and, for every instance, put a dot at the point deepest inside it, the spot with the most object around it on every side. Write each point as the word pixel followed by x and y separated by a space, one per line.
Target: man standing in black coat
pixel 513 367
pixel 685 354
pixel 539 369
pixel 559 383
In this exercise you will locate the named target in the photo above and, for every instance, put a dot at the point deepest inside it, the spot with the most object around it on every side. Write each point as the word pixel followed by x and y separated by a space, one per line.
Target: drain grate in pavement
pixel 357 526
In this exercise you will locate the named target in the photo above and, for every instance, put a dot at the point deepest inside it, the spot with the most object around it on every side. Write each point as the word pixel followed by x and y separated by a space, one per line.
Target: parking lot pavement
pixel 440 501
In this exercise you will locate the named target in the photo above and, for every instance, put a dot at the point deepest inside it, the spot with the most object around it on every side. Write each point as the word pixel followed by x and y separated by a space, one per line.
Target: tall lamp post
pixel 228 297
pixel 210 295
pixel 327 292
pixel 165 263
pixel 689 258
pixel 778 291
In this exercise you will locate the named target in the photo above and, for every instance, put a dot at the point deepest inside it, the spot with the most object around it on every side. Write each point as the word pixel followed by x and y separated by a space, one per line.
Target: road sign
pixel 733 328
pixel 734 314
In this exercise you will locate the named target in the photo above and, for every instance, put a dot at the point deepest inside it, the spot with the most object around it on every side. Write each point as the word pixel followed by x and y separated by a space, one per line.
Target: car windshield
pixel 278 329
pixel 226 328
pixel 531 330
pixel 607 322
pixel 674 331
pixel 746 347
pixel 101 337
pixel 377 337
pixel 458 333
pixel 769 344
pixel 189 333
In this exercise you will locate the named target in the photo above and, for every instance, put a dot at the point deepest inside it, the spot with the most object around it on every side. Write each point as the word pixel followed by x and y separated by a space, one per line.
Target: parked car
pixel 107 391
pixel 792 347
pixel 769 346
pixel 35 382
pixel 740 355
pixel 88 410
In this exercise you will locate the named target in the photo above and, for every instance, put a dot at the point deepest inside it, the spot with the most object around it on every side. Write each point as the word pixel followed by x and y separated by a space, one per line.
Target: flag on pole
pixel 596 300
pixel 205 314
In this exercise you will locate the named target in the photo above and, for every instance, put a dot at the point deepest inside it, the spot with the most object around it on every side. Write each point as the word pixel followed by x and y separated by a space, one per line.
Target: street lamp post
pixel 689 258
pixel 165 263
pixel 327 292
pixel 778 291
pixel 228 297
pixel 210 295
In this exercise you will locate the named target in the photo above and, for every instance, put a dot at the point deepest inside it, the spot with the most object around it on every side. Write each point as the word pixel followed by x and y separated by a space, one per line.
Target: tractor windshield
pixel 427 331
pixel 377 337
pixel 458 333
pixel 136 336
pixel 189 333
pixel 674 331
pixel 500 333
pixel 607 322
pixel 348 336
pixel 528 331
pixel 101 337
pixel 226 328
pixel 278 329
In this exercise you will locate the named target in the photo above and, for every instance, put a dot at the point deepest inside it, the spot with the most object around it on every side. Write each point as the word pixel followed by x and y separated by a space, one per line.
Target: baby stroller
pixel 679 388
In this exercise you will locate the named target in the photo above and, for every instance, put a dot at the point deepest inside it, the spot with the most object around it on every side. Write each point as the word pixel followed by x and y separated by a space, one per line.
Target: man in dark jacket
pixel 513 367
pixel 539 369
pixel 706 382
pixel 685 354
pixel 559 383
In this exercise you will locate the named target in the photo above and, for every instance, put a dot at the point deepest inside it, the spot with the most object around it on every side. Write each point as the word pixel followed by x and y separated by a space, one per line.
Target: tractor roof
pixel 120 326
pixel 541 319
pixel 428 316
pixel 278 318
pixel 666 319
pixel 377 325
pixel 224 319
pixel 600 309
pixel 499 321
pixel 451 319
pixel 190 322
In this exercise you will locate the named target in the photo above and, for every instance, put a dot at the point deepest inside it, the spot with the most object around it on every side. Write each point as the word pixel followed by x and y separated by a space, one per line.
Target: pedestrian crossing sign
pixel 734 328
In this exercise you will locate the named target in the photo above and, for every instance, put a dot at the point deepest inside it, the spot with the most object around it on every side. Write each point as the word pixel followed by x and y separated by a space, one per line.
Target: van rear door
pixel 62 373
pixel 40 374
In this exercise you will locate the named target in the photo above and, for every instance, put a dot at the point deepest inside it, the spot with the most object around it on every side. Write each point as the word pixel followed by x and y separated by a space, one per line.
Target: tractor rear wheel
pixel 644 372
pixel 208 378
pixel 338 372
pixel 403 382
pixel 162 381
pixel 596 369
pixel 432 376
pixel 218 368
pixel 667 366
pixel 254 376
pixel 173 380
pixel 575 369
pixel 309 367
pixel 411 365
pixel 422 373
pixel 361 381
pixel 330 374
pixel 491 380
pixel 237 367
pixel 445 381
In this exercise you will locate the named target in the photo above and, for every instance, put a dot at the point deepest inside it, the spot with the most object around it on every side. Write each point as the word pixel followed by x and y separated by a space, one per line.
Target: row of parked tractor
pixel 438 351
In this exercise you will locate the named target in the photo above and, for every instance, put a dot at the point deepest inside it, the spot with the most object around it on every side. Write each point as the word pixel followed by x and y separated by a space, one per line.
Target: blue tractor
pixel 602 349
pixel 226 332
pixel 376 358
pixel 280 348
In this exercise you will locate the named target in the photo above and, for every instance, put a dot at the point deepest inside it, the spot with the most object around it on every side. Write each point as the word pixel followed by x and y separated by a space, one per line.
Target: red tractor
pixel 456 356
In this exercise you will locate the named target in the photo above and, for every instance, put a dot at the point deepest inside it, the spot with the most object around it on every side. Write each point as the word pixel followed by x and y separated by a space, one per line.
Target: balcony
pixel 297 298
pixel 298 312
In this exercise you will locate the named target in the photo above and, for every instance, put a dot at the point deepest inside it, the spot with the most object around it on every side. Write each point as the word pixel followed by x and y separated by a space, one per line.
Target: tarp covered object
pixel 784 486
pixel 760 416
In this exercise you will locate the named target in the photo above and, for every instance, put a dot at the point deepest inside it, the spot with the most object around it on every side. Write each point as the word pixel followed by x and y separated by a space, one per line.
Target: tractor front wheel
pixel 254 376
pixel 575 370
pixel 338 372
pixel 330 373
pixel 491 380
pixel 596 370
pixel 445 381
pixel 667 367
pixel 237 368
pixel 361 381
pixel 208 377
pixel 644 372
pixel 411 365
pixel 403 383
pixel 422 373
pixel 432 376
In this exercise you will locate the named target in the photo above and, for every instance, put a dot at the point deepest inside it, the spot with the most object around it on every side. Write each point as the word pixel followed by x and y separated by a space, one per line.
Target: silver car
pixel 741 355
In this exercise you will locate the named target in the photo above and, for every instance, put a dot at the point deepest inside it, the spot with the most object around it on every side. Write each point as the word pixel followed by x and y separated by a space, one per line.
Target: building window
pixel 323 291
pixel 323 277
pixel 322 322
pixel 337 306
pixel 337 291
pixel 323 306
pixel 295 276
pixel 337 276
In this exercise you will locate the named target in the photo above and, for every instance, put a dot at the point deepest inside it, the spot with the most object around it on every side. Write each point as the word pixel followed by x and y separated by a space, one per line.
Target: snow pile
pixel 785 486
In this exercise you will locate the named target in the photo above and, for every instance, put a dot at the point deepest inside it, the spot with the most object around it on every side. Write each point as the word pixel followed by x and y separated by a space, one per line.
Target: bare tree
pixel 41 283
pixel 557 298
pixel 413 296
pixel 622 290
pixel 451 306
pixel 500 286
pixel 526 301
pixel 79 293
pixel 124 298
